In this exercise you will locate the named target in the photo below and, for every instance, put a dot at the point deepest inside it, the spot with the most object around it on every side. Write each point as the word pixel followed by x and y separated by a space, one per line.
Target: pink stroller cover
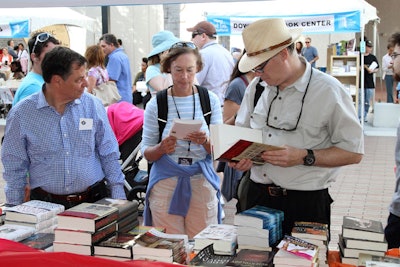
pixel 126 120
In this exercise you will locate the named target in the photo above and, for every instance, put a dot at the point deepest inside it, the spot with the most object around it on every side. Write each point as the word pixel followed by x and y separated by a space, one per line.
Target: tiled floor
pixel 363 190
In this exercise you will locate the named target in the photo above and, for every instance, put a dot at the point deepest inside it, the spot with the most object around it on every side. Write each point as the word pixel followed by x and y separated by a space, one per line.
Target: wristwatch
pixel 309 160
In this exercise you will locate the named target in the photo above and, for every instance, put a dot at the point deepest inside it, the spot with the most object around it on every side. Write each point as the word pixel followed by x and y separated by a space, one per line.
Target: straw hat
pixel 162 41
pixel 263 39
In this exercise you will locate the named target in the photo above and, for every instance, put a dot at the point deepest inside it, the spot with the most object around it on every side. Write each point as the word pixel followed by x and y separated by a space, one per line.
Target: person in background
pixel 6 59
pixel 295 179
pixel 16 70
pixel 23 57
pixel 392 229
pixel 369 84
pixel 140 77
pixel 39 44
pixel 310 53
pixel 97 72
pixel 118 66
pixel 218 62
pixel 183 190
pixel 11 51
pixel 299 48
pixel 388 73
pixel 155 79
pixel 61 136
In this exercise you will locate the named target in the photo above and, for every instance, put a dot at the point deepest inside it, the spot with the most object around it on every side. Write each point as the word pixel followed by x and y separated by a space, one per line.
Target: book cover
pixel 354 252
pixel 73 248
pixel 181 128
pixel 359 228
pixel 87 217
pixel 312 230
pixel 207 257
pixel 39 226
pixel 285 258
pixel 33 211
pixel 141 229
pixel 252 258
pixel 118 245
pixel 223 236
pixel 39 241
pixel 365 244
pixel 380 264
pixel 125 207
pixel 84 237
pixel 298 247
pixel 364 257
pixel 252 231
pixel 15 232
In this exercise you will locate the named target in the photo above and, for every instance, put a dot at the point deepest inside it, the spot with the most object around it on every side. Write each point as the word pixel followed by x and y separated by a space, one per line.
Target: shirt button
pixel 275 118
pixel 280 98
pixel 269 135
pixel 67 152
pixel 265 175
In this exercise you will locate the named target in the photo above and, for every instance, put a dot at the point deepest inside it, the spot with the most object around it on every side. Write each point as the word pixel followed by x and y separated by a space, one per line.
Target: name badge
pixel 185 161
pixel 85 124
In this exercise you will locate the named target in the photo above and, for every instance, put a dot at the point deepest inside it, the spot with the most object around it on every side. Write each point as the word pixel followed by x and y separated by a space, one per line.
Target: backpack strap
pixel 257 94
pixel 162 104
pixel 205 103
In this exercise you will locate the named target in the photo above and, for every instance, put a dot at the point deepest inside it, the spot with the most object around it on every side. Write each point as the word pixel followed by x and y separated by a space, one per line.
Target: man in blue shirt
pixel 61 137
pixel 310 52
pixel 118 66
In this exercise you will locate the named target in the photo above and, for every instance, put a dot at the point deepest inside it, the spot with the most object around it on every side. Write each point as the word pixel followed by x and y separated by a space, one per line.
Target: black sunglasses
pixel 194 34
pixel 301 109
pixel 184 44
pixel 42 37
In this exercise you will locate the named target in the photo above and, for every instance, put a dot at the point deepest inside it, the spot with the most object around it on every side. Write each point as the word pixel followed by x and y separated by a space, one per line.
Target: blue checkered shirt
pixel 63 153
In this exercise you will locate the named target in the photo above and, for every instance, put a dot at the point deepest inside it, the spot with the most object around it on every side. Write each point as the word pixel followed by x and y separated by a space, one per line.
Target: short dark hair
pixel 59 61
pixel 173 54
pixel 119 41
pixel 395 39
pixel 40 45
pixel 9 42
pixel 109 38
pixel 145 60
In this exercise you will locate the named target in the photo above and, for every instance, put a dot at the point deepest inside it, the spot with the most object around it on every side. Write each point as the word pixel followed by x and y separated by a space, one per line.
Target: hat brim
pixel 247 63
pixel 164 46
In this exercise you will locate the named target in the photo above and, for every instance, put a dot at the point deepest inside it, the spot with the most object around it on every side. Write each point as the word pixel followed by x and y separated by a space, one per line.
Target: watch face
pixel 309 160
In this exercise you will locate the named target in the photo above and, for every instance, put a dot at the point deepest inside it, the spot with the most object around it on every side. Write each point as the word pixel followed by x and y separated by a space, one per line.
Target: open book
pixel 181 128
pixel 233 143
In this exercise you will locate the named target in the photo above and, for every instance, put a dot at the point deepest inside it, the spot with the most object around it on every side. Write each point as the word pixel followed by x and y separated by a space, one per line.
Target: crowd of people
pixel 69 154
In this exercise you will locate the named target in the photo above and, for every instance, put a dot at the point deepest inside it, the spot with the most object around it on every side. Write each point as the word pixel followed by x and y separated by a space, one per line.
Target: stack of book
pixel 84 225
pixel 222 236
pixel 127 212
pixel 365 260
pixel 294 251
pixel 42 241
pixel 157 246
pixel 315 233
pixel 361 236
pixel 37 214
pixel 16 232
pixel 260 217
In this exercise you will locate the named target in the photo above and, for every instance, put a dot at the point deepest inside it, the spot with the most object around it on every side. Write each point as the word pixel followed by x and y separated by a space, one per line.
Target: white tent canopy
pixel 41 17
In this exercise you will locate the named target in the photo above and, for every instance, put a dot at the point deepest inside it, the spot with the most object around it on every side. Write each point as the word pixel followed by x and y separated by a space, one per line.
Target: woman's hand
pixel 199 137
pixel 167 145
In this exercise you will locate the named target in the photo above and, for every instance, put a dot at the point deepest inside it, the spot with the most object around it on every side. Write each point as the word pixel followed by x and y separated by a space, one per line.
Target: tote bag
pixel 107 92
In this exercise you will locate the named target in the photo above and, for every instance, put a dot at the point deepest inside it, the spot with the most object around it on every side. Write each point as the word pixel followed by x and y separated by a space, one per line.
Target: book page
pixel 181 128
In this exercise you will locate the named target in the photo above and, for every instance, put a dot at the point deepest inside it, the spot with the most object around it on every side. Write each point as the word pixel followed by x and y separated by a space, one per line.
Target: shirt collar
pixel 42 102
pixel 301 83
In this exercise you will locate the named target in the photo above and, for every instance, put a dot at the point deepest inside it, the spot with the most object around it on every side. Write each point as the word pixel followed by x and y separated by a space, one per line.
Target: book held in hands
pixel 181 128
pixel 233 143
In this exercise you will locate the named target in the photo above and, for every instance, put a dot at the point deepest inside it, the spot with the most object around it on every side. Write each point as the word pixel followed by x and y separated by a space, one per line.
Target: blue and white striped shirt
pixel 63 153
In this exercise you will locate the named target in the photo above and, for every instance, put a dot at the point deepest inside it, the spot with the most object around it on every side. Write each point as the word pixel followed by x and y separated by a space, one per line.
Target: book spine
pixel 104 232
pixel 106 220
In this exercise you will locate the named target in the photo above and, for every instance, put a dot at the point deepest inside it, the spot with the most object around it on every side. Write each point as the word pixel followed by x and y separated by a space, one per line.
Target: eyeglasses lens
pixel 43 37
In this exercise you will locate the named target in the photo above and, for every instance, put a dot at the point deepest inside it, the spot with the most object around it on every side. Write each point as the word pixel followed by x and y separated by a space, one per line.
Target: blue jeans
pixel 389 88
pixel 368 93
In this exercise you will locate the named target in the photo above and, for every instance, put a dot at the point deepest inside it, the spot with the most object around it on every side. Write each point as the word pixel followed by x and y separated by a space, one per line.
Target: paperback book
pixel 312 230
pixel 252 258
pixel 39 226
pixel 364 257
pixel 354 252
pixel 141 229
pixel 365 244
pixel 358 228
pixel 87 217
pixel 299 247
pixel 118 245
pixel 181 128
pixel 40 241
pixel 222 236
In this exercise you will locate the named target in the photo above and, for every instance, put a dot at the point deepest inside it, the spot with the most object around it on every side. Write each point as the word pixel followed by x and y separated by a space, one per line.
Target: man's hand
pixel 290 156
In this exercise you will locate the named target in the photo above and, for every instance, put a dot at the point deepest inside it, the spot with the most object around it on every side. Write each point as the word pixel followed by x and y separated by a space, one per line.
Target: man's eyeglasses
pixel 194 34
pixel 307 42
pixel 42 37
pixel 301 109
pixel 183 44
pixel 260 68
pixel 394 55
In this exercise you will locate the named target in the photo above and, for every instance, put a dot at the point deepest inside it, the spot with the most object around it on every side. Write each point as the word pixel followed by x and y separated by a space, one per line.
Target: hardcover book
pixel 358 228
pixel 299 247
pixel 141 229
pixel 312 230
pixel 84 237
pixel 73 248
pixel 40 241
pixel 87 217
pixel 15 232
pixel 233 143
pixel 126 208
pixel 354 252
pixel 39 226
pixel 222 236
pixel 33 211
pixel 365 244
pixel 118 245
pixel 285 258
pixel 181 128
pixel 252 258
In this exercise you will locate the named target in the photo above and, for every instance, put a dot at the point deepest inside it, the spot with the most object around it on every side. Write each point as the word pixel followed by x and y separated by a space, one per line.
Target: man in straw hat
pixel 305 111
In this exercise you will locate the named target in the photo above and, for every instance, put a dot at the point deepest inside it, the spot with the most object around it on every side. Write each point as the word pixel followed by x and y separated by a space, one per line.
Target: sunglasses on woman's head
pixel 184 44
pixel 42 37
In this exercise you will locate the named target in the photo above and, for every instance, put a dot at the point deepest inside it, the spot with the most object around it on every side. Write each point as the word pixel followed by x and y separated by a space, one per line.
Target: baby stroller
pixel 127 123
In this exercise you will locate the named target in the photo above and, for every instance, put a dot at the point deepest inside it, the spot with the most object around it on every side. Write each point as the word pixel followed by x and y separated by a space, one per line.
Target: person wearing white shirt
pixel 388 73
